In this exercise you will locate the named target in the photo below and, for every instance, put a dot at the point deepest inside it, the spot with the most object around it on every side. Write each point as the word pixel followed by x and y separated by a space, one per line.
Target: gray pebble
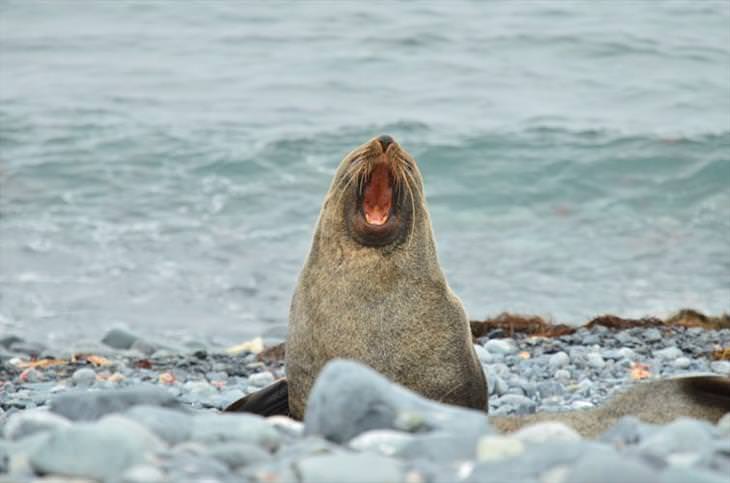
pixel 595 360
pixel 119 339
pixel 681 363
pixel 501 346
pixel 669 353
pixel 721 367
pixel 84 377
pixel 559 360
pixel 261 379
pixel 652 335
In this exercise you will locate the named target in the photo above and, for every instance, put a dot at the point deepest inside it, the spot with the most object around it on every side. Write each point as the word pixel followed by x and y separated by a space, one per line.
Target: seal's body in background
pixel 372 289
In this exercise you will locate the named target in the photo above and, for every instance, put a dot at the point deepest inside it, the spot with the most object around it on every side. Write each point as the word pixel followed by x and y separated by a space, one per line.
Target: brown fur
pixel 387 306
pixel 659 402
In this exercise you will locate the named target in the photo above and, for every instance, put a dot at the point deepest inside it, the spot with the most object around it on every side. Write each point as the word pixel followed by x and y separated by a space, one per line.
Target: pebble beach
pixel 126 409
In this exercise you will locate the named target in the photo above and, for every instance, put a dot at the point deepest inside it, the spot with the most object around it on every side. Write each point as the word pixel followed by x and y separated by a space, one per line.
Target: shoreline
pixel 180 388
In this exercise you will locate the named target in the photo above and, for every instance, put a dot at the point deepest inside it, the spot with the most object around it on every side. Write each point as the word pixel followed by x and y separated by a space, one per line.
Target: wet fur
pixel 389 307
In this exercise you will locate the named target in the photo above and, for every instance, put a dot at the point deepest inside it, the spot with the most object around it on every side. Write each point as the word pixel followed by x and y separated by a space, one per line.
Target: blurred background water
pixel 162 164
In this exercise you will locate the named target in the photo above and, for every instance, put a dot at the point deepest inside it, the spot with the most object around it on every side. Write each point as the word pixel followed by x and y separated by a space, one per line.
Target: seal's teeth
pixel 376 218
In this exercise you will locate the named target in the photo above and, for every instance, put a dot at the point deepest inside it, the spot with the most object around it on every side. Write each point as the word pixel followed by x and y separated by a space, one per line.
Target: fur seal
pixel 372 288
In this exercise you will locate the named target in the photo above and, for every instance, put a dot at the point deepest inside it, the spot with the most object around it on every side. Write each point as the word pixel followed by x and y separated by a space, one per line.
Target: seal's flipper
pixel 273 400
pixel 659 402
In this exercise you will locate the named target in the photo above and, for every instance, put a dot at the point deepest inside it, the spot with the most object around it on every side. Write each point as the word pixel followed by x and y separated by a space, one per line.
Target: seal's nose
pixel 385 141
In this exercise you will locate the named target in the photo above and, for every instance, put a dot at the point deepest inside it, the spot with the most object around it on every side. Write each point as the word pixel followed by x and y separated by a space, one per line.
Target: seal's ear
pixel 273 400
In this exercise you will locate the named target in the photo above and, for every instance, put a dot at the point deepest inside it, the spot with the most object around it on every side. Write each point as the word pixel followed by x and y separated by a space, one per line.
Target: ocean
pixel 162 164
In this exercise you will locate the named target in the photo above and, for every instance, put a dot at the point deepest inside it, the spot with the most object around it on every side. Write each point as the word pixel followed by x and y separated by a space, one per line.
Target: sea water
pixel 162 164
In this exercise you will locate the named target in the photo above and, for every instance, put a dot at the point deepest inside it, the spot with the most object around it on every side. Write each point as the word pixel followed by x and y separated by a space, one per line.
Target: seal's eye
pixel 378 196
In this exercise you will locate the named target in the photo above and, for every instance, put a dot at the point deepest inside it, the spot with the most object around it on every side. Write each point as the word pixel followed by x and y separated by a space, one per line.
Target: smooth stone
pixel 610 468
pixel 234 427
pixel 119 339
pixel 236 455
pixel 484 356
pixel 261 379
pixel 349 468
pixel 668 354
pixel 439 446
pixel 558 360
pixel 286 425
pixel 652 335
pixel 170 425
pixel 84 377
pixel 143 473
pixel 683 435
pixel 102 450
pixel 563 376
pixel 88 406
pixel 546 432
pixel 384 441
pixel 681 363
pixel 25 423
pixel 627 431
pixel 500 386
pixel 499 447
pixel 349 398
pixel 550 388
pixel 723 426
pixel 500 346
pixel 595 360
pixel 516 404
pixel 721 367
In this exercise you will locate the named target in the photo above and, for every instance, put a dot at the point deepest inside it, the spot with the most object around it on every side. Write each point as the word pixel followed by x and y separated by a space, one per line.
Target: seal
pixel 372 288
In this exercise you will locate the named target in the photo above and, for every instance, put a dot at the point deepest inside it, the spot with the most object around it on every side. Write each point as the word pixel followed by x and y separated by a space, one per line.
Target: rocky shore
pixel 130 410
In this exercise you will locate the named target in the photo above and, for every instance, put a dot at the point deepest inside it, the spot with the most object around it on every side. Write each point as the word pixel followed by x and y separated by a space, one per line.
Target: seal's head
pixel 378 187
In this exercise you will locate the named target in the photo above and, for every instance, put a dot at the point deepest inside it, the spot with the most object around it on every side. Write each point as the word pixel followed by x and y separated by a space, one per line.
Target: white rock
pixel 721 367
pixel 668 354
pixel 681 363
pixel 497 448
pixel 261 379
pixel 547 431
pixel 595 360
pixel 383 441
pixel 558 360
pixel 501 346
pixel 484 356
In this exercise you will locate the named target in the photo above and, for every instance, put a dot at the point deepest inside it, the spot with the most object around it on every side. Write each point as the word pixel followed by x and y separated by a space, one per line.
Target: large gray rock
pixel 349 398
pixel 683 435
pixel 103 450
pixel 349 468
pixel 25 423
pixel 170 425
pixel 232 427
pixel 89 406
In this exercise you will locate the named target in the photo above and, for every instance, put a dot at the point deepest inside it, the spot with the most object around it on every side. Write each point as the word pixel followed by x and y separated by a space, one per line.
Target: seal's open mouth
pixel 377 199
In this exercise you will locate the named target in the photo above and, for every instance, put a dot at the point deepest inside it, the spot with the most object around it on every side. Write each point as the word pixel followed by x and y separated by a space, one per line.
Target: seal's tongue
pixel 378 196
